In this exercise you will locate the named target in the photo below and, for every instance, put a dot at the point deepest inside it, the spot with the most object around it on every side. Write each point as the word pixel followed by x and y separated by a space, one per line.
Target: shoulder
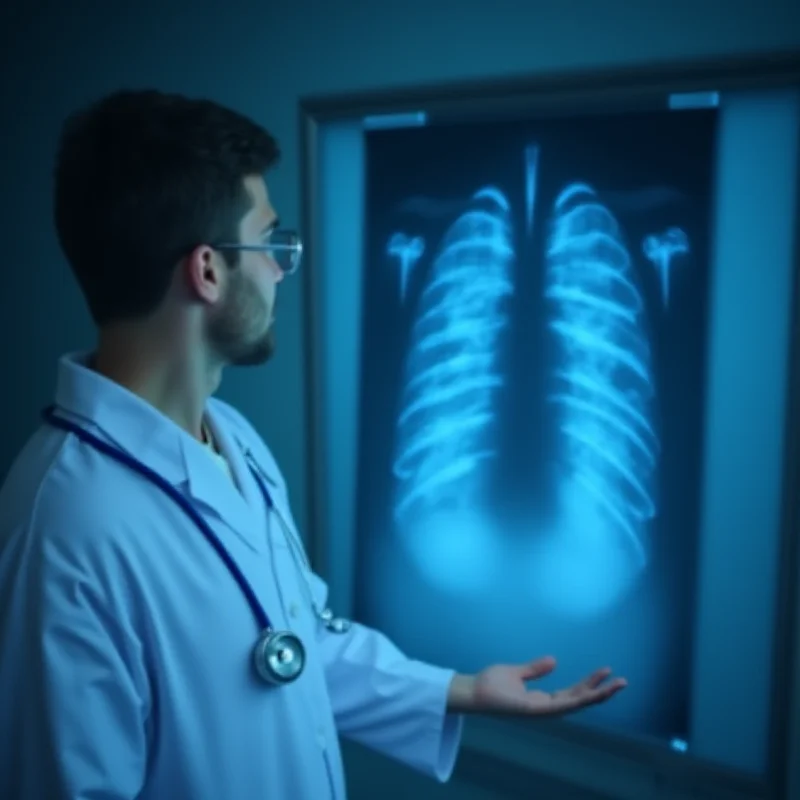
pixel 73 578
pixel 73 539
pixel 247 435
pixel 64 501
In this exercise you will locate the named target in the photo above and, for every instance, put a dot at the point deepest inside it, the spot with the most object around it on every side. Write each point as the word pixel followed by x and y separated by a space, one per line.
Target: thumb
pixel 537 669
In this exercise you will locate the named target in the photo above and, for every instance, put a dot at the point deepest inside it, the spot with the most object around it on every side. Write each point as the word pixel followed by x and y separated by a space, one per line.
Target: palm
pixel 502 689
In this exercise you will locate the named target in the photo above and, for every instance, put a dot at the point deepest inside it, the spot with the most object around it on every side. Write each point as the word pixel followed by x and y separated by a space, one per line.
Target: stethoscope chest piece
pixel 279 657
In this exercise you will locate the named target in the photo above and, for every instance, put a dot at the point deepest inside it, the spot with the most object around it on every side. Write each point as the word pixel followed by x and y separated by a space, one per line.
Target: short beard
pixel 244 311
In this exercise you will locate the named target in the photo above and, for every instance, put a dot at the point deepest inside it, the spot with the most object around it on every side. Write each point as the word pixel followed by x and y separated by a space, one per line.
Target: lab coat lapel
pixel 140 430
pixel 254 472
pixel 212 489
pixel 234 451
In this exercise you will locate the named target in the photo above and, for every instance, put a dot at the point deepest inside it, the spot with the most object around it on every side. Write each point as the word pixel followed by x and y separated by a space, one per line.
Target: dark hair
pixel 143 177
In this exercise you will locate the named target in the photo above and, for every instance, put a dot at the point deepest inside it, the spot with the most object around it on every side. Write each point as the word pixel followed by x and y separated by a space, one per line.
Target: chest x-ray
pixel 535 317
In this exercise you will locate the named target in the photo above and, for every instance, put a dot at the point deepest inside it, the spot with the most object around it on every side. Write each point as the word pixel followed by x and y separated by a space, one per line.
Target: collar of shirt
pixel 117 415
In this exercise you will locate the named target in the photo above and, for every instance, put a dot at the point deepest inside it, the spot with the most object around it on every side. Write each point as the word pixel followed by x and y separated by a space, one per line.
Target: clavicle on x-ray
pixel 533 383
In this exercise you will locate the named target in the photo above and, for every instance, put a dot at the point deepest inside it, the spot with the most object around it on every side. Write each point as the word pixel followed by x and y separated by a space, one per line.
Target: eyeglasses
pixel 284 246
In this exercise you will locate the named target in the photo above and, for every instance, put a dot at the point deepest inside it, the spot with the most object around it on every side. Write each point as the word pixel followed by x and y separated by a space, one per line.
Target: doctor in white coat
pixel 162 635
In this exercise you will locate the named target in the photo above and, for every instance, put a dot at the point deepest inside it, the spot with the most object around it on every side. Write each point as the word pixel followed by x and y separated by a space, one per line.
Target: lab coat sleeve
pixel 75 687
pixel 381 698
pixel 387 701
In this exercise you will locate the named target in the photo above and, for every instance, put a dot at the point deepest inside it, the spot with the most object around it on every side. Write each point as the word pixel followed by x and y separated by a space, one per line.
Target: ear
pixel 203 270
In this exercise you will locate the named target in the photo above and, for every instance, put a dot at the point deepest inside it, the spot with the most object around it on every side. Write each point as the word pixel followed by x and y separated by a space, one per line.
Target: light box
pixel 551 353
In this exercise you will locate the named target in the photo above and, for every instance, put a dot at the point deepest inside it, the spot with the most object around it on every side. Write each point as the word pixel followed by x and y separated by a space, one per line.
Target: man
pixel 146 542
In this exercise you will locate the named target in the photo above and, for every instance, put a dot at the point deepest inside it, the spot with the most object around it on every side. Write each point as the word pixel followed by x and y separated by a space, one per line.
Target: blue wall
pixel 261 58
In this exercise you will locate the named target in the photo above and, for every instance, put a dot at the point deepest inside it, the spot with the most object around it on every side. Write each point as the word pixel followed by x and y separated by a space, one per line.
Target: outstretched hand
pixel 502 689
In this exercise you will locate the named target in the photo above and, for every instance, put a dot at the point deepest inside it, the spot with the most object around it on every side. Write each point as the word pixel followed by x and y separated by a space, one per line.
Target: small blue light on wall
pixel 679 745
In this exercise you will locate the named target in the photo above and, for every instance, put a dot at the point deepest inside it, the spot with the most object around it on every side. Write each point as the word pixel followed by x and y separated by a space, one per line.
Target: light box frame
pixel 651 770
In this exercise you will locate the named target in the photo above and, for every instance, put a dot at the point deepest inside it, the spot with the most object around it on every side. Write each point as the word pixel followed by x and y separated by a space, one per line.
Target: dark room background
pixel 262 58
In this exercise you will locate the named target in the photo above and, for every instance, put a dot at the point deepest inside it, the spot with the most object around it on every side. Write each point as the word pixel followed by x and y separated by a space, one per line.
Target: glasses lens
pixel 288 250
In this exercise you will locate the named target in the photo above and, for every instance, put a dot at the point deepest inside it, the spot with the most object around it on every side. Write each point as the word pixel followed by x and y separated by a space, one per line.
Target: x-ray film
pixel 533 376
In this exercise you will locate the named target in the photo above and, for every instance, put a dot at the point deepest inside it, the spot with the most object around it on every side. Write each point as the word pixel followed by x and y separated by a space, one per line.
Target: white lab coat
pixel 125 666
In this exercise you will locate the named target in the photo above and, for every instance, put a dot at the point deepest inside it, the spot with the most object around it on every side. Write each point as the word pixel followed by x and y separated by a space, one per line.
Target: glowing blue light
pixel 661 249
pixel 679 745
pixel 602 392
pixel 408 251
pixel 444 428
pixel 604 396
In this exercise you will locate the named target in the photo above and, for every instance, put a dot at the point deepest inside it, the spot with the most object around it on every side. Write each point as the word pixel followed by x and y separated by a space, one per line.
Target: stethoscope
pixel 279 657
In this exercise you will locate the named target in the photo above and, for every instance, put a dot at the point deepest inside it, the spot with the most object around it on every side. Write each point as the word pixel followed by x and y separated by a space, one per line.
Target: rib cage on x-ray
pixel 603 392
pixel 444 429
pixel 605 381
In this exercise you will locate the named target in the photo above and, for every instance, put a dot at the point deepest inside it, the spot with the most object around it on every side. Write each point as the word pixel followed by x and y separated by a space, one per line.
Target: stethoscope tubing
pixel 125 459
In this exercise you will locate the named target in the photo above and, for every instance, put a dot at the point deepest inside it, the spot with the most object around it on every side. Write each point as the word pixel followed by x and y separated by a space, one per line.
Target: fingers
pixel 594 689
pixel 602 693
pixel 537 669
pixel 596 678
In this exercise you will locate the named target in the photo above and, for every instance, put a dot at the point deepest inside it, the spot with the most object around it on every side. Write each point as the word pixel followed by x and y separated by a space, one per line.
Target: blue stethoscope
pixel 279 657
